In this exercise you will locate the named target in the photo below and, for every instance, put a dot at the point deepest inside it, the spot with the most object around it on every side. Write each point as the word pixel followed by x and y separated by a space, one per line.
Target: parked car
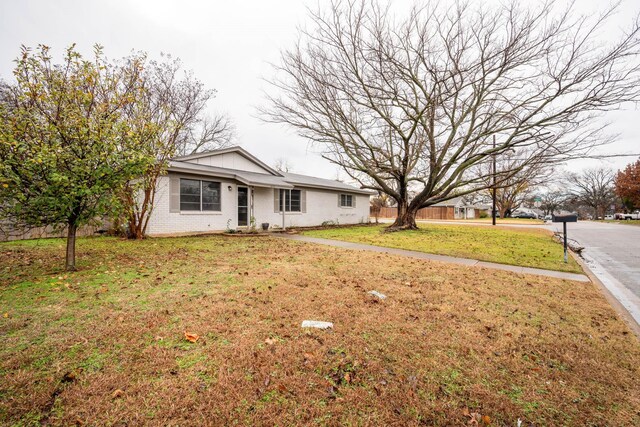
pixel 548 217
pixel 634 215
pixel 528 215
pixel 609 217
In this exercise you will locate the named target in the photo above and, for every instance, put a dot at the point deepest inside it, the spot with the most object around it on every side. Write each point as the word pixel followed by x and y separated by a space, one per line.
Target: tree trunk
pixel 135 228
pixel 406 219
pixel 71 247
pixel 139 215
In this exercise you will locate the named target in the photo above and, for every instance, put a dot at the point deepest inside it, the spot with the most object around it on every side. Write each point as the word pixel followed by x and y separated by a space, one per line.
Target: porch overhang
pixel 247 178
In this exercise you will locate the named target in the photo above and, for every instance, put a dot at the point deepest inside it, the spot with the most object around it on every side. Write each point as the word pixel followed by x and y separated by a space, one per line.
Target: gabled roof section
pixel 235 149
pixel 245 177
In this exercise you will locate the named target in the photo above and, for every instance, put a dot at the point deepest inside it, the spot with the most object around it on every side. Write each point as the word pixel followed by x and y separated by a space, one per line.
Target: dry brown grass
pixel 105 346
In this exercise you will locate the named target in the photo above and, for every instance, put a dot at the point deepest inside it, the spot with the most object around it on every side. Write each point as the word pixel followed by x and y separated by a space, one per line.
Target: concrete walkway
pixel 441 258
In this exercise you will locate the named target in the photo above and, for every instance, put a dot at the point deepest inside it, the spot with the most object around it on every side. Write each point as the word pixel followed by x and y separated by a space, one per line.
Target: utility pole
pixel 493 207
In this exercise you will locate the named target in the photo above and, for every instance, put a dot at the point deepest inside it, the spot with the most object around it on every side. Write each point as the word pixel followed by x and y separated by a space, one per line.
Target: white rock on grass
pixel 317 324
pixel 377 294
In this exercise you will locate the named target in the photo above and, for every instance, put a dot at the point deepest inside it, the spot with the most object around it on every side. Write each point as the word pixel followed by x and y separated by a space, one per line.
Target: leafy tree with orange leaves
pixel 627 185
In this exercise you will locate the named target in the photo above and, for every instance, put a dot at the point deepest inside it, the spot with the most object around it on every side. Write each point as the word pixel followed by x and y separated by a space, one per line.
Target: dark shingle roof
pixel 313 182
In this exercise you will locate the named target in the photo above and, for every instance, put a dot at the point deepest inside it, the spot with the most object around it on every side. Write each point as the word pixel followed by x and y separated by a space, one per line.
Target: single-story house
pixel 455 208
pixel 232 189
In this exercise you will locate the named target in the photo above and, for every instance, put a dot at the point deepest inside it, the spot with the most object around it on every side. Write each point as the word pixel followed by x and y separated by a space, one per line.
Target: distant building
pixel 456 208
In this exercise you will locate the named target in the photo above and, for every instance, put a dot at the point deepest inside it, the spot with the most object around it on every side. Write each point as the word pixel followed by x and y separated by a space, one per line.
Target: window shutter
pixel 174 194
pixel 339 195
pixel 276 200
pixel 353 200
pixel 303 201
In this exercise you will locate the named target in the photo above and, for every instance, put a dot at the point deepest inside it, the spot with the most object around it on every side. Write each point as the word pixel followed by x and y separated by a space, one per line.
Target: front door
pixel 243 206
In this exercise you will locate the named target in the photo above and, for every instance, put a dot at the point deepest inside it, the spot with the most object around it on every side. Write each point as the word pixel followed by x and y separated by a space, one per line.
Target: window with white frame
pixel 346 201
pixel 197 195
pixel 291 200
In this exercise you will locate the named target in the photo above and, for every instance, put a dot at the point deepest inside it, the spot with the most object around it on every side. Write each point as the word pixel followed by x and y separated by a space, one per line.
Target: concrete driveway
pixel 612 252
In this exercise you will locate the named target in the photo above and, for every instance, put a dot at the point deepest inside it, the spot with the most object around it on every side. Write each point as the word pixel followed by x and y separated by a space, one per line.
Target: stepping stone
pixel 377 294
pixel 317 324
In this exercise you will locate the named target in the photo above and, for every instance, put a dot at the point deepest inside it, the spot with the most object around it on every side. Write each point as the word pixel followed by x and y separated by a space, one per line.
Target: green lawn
pixel 106 345
pixel 524 247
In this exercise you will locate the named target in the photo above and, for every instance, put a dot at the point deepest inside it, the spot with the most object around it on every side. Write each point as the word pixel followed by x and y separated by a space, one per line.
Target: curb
pixel 617 306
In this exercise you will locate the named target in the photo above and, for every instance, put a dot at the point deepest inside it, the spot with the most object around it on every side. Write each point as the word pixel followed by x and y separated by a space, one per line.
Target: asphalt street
pixel 612 251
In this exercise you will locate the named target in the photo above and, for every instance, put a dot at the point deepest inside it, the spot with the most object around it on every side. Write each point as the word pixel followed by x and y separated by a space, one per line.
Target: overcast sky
pixel 229 45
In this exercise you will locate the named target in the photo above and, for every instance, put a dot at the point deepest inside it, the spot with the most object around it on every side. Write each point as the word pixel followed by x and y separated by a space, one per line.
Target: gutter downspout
pixel 283 199
pixel 251 211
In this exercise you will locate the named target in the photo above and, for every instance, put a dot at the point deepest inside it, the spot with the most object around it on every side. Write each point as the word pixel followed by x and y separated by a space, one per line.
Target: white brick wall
pixel 164 222
pixel 322 205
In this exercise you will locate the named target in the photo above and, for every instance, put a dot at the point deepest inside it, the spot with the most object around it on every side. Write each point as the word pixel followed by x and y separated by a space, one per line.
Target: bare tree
pixel 552 200
pixel 170 121
pixel 282 165
pixel 516 185
pixel 413 104
pixel 207 133
pixel 511 197
pixel 377 203
pixel 593 188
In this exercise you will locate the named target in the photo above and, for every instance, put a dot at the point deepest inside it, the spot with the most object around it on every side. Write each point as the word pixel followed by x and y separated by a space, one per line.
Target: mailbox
pixel 565 218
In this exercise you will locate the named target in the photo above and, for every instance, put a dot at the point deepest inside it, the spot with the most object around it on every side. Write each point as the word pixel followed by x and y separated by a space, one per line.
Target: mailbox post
pixel 564 219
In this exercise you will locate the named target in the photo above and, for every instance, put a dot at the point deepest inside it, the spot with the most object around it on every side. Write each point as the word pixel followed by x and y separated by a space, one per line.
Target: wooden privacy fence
pixel 385 212
pixel 432 212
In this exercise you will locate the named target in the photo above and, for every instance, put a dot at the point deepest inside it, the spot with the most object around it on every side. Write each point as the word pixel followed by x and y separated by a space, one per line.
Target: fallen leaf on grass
pixel 6 315
pixel 476 418
pixel 117 393
pixel 70 377
pixel 191 337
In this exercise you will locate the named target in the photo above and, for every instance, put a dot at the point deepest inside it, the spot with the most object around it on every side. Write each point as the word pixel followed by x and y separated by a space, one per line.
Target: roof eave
pixel 328 187
pixel 200 172
pixel 233 176
pixel 262 185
